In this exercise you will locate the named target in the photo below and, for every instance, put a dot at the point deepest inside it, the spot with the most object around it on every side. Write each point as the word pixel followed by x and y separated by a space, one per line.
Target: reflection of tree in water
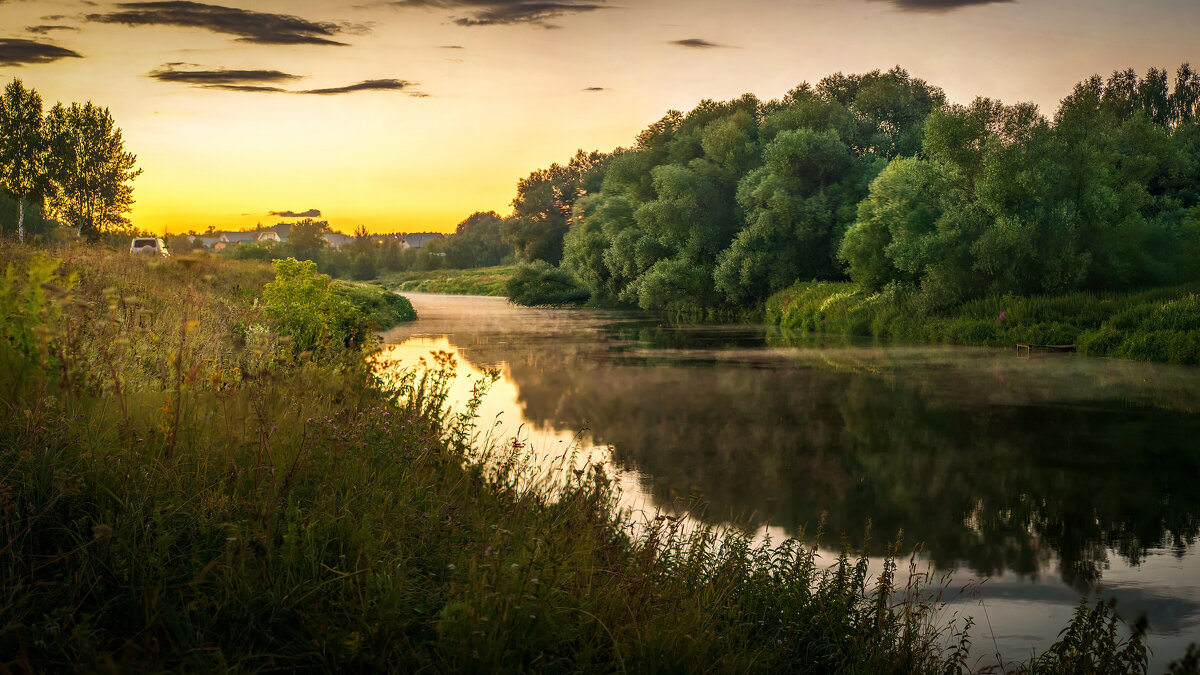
pixel 998 485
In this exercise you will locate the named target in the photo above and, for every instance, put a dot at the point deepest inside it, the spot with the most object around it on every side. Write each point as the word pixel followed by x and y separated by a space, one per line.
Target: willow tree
pixel 22 146
pixel 90 168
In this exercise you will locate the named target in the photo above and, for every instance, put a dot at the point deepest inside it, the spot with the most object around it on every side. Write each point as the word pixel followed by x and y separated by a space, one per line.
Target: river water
pixel 1027 482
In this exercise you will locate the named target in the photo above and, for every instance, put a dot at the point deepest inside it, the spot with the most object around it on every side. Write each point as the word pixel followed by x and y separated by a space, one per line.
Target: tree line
pixel 876 178
pixel 68 164
pixel 476 242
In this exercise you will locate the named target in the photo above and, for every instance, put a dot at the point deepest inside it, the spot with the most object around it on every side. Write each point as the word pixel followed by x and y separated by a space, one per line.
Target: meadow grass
pixel 476 281
pixel 1160 324
pixel 178 493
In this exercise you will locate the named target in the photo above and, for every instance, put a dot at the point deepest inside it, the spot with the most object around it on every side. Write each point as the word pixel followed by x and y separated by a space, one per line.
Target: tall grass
pixel 178 493
pixel 1161 324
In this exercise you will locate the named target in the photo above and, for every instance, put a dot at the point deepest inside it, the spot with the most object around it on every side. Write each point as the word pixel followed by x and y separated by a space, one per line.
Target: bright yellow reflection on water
pixel 501 426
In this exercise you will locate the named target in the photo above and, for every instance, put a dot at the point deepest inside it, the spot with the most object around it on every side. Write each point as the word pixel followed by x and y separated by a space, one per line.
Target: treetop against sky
pixel 411 114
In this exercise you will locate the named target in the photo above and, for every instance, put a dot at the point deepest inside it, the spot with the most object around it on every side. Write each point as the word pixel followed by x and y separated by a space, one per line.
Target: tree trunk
pixel 21 220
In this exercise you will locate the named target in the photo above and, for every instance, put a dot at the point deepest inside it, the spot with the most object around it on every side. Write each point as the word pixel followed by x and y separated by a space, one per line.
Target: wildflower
pixel 1000 318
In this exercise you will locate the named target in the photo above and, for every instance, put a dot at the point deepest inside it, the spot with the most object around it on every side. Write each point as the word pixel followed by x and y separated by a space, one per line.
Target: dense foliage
pixel 732 201
pixel 1004 201
pixel 876 178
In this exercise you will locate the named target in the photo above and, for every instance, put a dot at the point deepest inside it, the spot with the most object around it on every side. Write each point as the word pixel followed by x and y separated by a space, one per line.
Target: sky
pixel 409 115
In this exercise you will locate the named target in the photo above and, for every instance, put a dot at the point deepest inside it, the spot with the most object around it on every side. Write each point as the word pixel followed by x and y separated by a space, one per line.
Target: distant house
pixel 336 239
pixel 207 242
pixel 267 235
pixel 235 238
pixel 281 230
pixel 420 239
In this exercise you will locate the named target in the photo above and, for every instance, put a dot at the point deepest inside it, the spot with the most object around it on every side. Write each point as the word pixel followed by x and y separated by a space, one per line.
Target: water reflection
pixel 1048 475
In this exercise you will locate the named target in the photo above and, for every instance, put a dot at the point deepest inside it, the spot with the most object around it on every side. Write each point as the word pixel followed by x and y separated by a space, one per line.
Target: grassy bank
pixel 381 306
pixel 1161 324
pixel 187 484
pixel 475 281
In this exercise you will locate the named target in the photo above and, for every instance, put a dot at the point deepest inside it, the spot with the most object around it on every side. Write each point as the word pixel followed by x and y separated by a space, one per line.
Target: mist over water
pixel 1049 477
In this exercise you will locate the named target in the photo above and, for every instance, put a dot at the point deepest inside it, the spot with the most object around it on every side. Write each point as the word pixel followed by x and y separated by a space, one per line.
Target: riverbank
pixel 187 484
pixel 489 281
pixel 1161 324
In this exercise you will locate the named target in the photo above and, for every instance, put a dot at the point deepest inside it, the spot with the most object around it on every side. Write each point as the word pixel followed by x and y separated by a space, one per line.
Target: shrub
pixel 543 284
pixel 304 306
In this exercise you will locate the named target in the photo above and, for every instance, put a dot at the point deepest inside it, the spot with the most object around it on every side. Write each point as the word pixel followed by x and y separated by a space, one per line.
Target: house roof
pixel 238 237
pixel 421 239
pixel 282 229
pixel 336 239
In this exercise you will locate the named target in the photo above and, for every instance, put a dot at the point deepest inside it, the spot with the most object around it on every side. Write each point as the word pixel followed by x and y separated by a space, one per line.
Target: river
pixel 1028 482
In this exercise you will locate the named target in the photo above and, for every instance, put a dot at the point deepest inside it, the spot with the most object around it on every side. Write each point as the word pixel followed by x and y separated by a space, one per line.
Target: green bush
pixel 541 283
pixel 304 306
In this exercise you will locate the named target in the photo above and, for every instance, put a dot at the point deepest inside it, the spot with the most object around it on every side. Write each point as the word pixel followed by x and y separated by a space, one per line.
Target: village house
pixel 419 239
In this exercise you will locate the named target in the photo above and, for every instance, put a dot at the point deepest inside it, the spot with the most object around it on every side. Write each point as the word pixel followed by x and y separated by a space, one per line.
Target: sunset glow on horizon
pixel 412 114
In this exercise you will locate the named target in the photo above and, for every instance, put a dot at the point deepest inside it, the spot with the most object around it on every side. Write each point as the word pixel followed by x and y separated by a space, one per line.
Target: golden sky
pixel 410 115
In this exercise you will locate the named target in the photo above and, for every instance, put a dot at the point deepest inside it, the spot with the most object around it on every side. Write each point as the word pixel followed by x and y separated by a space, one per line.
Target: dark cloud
pixel 451 47
pixel 596 89
pixel 695 43
pixel 228 80
pixel 265 81
pixel 18 52
pixel 502 12
pixel 45 29
pixel 249 26
pixel 311 213
pixel 938 5
pixel 365 85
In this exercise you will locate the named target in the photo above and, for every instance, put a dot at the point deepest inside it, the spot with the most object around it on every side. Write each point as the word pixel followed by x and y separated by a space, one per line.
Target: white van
pixel 147 246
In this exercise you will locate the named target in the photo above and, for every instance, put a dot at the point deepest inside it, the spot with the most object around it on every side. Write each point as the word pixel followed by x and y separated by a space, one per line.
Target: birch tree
pixel 22 146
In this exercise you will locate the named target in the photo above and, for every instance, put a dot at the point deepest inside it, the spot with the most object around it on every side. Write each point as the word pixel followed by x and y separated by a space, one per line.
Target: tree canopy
pixel 875 177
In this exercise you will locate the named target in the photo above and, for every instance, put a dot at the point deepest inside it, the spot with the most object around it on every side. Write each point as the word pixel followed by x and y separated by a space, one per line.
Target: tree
pixel 305 241
pixel 476 242
pixel 22 146
pixel 543 205
pixel 91 169
pixel 797 207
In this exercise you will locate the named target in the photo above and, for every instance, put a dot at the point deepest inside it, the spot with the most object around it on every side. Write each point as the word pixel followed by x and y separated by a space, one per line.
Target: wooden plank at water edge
pixel 1031 347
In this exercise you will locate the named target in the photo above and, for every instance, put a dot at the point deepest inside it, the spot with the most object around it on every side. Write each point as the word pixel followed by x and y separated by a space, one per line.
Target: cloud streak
pixel 938 6
pixel 263 81
pixel 249 26
pixel 506 12
pixel 695 43
pixel 266 81
pixel 46 29
pixel 21 52
pixel 365 85
pixel 311 213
